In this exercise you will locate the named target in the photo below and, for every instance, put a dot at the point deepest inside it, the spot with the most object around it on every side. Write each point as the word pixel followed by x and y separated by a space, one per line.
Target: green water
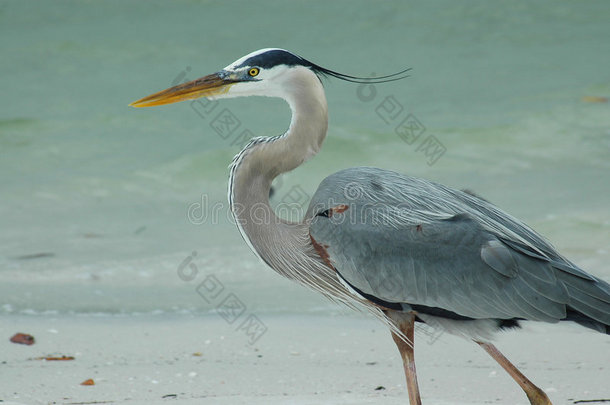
pixel 94 195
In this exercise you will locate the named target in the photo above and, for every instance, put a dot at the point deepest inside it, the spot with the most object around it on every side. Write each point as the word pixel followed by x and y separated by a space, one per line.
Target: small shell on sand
pixel 23 339
pixel 88 382
pixel 55 358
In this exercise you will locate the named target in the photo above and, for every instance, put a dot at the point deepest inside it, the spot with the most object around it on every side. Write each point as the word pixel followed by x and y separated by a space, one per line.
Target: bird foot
pixel 538 397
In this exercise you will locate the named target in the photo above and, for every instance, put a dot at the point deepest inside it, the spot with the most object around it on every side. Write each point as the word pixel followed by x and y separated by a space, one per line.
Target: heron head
pixel 265 72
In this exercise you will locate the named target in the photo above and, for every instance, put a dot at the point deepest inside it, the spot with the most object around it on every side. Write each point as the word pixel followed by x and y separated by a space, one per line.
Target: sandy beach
pixel 159 359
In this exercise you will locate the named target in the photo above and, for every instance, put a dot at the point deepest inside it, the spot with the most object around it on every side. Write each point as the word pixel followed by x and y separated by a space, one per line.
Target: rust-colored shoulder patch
pixel 340 208
pixel 322 252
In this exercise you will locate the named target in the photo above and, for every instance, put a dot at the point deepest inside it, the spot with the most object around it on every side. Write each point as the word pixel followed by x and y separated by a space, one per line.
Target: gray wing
pixel 406 240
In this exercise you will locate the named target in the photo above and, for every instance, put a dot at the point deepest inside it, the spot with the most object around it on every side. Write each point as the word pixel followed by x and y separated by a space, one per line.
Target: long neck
pixel 277 241
pixel 286 245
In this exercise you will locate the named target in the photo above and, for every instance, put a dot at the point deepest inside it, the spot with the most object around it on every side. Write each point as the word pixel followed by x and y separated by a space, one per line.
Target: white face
pixel 254 79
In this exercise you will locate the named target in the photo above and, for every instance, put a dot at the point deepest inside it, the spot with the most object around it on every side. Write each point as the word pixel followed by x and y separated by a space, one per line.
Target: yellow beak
pixel 207 86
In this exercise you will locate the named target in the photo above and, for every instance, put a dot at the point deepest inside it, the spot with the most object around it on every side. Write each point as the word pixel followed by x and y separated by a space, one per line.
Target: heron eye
pixel 253 72
pixel 325 213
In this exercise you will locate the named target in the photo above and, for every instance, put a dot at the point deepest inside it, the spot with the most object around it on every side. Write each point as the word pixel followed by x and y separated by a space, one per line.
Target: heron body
pixel 413 245
pixel 404 248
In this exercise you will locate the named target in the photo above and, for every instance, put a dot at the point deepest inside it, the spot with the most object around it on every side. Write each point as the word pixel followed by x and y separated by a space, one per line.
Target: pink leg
pixel 534 394
pixel 406 324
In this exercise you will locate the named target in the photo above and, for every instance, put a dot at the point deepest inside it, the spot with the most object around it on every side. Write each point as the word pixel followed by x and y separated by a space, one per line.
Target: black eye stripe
pixel 273 58
pixel 278 57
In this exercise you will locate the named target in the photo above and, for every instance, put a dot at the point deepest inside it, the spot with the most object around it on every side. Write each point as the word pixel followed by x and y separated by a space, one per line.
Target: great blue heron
pixel 408 250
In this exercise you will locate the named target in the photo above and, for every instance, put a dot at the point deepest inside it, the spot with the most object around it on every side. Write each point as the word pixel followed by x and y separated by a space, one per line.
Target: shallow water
pixel 100 203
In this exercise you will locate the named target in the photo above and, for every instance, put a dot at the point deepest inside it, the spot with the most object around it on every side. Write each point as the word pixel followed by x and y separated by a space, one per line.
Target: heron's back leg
pixel 534 394
pixel 406 324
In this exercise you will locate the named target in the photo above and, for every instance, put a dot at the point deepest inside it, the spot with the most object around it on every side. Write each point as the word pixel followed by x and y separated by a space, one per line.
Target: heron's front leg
pixel 406 324
pixel 534 394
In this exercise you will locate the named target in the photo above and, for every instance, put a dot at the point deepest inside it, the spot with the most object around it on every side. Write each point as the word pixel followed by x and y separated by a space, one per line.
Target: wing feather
pixel 406 240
